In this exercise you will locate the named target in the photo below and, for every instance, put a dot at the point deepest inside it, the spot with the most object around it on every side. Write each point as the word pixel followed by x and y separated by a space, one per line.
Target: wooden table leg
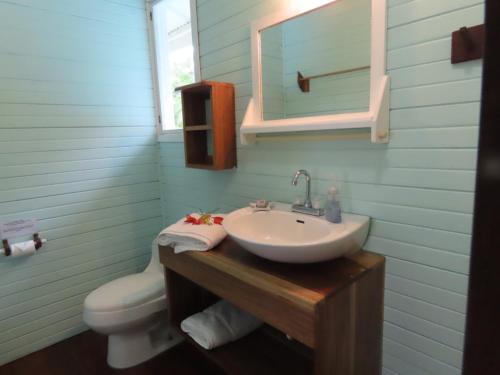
pixel 348 330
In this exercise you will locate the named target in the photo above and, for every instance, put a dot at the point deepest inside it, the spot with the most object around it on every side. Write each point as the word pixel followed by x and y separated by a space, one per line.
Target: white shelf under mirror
pixel 375 117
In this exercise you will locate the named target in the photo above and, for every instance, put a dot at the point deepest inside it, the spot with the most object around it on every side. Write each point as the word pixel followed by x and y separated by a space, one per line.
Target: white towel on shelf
pixel 186 236
pixel 219 324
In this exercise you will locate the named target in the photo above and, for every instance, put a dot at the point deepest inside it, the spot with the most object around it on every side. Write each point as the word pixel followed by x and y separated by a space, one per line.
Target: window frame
pixel 169 135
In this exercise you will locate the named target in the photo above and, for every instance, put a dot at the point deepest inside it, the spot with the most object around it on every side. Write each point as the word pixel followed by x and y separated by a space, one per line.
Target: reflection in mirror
pixel 330 49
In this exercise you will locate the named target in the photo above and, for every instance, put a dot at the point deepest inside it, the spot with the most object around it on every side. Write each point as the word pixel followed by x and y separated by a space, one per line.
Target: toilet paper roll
pixel 23 249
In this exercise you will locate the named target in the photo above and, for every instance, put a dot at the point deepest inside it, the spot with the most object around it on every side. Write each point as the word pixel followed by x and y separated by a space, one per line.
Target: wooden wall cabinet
pixel 333 310
pixel 209 125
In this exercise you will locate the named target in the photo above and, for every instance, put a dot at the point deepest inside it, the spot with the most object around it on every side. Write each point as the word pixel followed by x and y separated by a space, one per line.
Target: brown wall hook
pixel 467 38
pixel 467 44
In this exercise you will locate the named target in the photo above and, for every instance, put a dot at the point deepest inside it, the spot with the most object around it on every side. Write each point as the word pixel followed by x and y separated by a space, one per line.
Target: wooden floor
pixel 85 354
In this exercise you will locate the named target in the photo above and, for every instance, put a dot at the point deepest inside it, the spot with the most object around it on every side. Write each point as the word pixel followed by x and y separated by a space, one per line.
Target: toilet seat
pixel 125 300
pixel 126 292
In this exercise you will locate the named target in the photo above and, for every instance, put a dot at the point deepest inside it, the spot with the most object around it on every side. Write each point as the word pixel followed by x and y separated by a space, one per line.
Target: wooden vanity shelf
pixel 209 125
pixel 333 310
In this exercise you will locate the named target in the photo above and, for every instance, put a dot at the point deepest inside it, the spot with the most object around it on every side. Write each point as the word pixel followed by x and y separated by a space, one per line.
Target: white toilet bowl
pixel 132 311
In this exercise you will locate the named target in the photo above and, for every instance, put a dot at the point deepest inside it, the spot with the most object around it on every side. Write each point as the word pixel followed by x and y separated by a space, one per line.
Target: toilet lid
pixel 125 292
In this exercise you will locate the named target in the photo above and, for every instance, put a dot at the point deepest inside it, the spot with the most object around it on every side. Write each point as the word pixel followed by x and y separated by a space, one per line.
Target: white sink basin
pixel 290 237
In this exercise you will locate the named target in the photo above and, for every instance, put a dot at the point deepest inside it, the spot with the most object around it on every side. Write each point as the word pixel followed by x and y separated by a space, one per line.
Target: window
pixel 176 50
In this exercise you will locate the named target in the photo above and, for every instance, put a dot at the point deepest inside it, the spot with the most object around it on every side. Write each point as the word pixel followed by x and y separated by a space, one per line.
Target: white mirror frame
pixel 377 117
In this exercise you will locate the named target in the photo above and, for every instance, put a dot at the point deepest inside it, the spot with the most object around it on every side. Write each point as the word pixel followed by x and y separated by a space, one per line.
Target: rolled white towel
pixel 184 236
pixel 219 324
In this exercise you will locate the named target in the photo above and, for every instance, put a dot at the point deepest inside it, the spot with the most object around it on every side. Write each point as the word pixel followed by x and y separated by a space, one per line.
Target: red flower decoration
pixel 218 220
pixel 204 219
pixel 192 220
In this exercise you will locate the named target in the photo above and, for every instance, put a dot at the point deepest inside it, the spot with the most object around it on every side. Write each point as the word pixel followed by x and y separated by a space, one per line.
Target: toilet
pixel 132 311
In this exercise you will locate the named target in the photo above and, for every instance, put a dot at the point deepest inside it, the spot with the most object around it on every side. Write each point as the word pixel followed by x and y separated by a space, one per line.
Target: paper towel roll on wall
pixel 21 249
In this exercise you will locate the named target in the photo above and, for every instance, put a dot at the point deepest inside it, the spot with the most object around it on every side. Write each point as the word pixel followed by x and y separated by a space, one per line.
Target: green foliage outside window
pixel 183 74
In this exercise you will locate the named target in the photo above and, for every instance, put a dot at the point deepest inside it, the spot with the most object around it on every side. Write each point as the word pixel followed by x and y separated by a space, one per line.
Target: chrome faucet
pixel 307 207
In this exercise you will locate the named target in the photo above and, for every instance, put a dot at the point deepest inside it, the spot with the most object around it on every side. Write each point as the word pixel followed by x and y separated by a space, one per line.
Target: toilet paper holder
pixel 6 247
pixel 7 251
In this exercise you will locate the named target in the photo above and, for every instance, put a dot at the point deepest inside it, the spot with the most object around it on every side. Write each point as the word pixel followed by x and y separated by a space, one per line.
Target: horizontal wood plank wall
pixel 418 189
pixel 77 151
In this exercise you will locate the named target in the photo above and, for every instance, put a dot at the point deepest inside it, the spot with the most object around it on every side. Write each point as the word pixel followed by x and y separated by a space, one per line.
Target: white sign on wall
pixel 18 228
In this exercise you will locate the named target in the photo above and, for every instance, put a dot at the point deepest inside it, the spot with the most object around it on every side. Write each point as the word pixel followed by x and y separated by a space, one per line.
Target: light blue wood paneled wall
pixel 418 189
pixel 78 152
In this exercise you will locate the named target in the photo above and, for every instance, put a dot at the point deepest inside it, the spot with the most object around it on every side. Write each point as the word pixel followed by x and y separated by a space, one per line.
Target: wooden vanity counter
pixel 334 310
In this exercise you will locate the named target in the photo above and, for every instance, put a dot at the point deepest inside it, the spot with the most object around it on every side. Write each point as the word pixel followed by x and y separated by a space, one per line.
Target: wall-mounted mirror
pixel 319 65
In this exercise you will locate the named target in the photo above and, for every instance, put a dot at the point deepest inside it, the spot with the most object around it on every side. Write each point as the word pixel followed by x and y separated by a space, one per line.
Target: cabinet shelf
pixel 260 352
pixel 209 125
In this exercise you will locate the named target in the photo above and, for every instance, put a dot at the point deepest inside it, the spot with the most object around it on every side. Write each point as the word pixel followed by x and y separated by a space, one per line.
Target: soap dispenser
pixel 332 207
